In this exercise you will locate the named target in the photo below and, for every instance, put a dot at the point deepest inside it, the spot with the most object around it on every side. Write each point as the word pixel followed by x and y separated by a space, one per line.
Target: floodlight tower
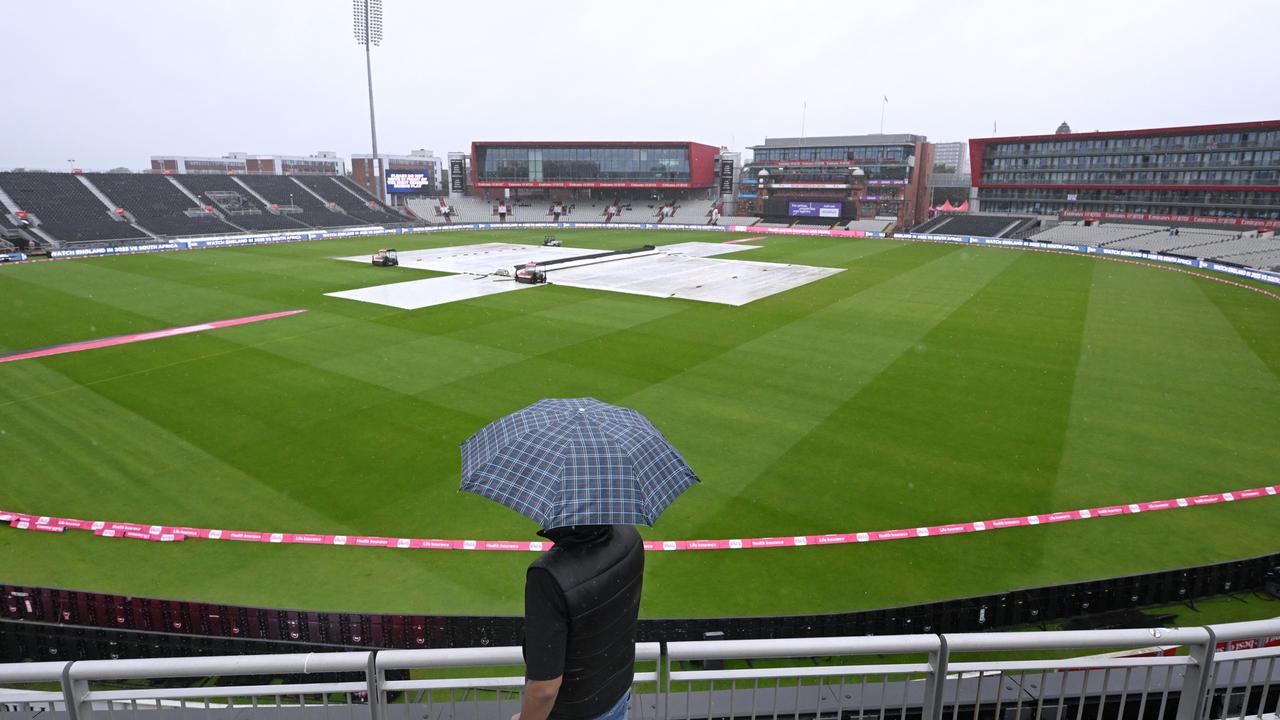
pixel 367 17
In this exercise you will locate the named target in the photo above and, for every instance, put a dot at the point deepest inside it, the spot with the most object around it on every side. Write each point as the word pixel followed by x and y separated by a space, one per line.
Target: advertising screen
pixel 409 181
pixel 814 209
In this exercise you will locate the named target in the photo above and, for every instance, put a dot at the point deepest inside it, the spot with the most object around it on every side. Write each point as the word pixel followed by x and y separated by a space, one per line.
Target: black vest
pixel 601 585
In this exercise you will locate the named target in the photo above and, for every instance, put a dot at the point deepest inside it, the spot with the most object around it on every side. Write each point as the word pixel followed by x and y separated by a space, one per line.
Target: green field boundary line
pixel 167 533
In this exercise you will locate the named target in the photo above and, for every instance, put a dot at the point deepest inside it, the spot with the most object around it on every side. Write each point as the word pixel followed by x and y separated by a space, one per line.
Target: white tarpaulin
pixel 683 270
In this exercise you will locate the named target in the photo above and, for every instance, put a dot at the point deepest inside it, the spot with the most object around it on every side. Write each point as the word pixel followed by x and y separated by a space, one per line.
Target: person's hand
pixel 516 716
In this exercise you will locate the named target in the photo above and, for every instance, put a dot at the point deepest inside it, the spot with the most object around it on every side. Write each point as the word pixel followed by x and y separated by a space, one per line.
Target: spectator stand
pixel 63 209
pixel 1245 248
pixel 367 200
pixel 294 199
pixel 158 205
pixel 334 197
pixel 237 204
pixel 997 226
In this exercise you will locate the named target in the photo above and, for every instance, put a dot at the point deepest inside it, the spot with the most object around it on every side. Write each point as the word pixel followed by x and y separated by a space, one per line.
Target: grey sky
pixel 112 83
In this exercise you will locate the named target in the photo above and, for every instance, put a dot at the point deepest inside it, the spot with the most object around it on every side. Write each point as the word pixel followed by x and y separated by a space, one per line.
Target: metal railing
pixel 1220 671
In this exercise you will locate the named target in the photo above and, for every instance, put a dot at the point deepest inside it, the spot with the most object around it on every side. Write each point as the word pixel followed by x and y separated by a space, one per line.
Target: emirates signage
pixel 1163 217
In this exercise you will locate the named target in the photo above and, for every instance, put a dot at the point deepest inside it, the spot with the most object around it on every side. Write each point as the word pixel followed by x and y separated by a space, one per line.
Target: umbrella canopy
pixel 576 461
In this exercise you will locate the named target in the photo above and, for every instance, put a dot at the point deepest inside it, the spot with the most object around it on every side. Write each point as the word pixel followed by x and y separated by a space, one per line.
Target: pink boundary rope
pixel 141 337
pixel 167 533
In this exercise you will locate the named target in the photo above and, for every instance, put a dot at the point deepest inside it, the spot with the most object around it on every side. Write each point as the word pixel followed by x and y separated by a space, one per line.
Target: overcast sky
pixel 112 83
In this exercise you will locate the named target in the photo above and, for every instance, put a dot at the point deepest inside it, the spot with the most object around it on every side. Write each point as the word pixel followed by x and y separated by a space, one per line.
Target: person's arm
pixel 538 699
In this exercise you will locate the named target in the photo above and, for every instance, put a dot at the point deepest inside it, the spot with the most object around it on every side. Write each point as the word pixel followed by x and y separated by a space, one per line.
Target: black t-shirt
pixel 546 626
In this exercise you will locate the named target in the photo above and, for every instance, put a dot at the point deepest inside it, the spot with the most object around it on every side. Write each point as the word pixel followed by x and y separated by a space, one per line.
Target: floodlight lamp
pixel 366 16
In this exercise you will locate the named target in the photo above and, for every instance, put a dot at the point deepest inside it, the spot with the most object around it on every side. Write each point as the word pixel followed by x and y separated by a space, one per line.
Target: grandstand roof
pixel 590 143
pixel 1223 127
pixel 841 140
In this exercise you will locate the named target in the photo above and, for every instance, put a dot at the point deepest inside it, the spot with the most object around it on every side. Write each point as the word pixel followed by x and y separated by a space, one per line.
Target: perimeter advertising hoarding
pixel 814 209
pixel 410 181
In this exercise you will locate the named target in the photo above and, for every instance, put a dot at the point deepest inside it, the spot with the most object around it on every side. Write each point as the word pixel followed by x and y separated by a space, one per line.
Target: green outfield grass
pixel 925 384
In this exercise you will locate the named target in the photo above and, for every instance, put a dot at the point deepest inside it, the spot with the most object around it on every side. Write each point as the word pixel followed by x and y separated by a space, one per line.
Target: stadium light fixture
pixel 366 18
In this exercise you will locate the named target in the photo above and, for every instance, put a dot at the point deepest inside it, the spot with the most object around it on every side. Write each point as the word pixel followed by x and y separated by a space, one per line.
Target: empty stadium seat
pixel 283 191
pixel 881 226
pixel 1266 260
pixel 364 195
pixel 929 225
pixel 332 192
pixel 157 205
pixel 236 204
pixel 65 208
pixel 1120 236
pixel 976 225
pixel 1231 247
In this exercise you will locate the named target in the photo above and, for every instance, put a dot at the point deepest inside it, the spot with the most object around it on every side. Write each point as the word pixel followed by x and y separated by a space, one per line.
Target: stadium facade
pixel 239 163
pixel 817 180
pixel 1226 175
pixel 572 169
pixel 952 156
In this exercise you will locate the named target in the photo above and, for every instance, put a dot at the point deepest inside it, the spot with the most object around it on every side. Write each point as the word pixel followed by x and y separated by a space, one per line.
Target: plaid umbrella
pixel 576 461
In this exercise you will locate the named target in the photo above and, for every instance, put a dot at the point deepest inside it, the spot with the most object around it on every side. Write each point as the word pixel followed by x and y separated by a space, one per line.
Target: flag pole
pixel 882 104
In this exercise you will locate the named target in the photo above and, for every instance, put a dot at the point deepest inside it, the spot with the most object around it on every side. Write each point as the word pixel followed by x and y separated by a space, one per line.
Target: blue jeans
pixel 618 711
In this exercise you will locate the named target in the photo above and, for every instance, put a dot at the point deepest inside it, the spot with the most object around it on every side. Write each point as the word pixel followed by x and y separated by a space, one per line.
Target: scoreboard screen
pixel 457 175
pixel 410 181
pixel 814 209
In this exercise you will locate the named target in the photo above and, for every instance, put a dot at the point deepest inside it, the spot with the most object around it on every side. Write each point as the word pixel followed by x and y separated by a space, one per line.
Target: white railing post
pixel 73 693
pixel 1197 682
pixel 935 681
pixel 374 678
pixel 663 688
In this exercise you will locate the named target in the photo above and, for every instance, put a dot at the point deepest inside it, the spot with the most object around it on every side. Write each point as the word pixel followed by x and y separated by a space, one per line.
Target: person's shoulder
pixel 626 534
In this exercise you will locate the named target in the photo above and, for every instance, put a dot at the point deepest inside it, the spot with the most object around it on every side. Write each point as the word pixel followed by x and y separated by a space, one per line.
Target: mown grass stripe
pixel 356 413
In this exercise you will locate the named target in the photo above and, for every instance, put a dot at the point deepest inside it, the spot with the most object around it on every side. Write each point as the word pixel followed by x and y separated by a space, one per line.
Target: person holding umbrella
pixel 586 472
